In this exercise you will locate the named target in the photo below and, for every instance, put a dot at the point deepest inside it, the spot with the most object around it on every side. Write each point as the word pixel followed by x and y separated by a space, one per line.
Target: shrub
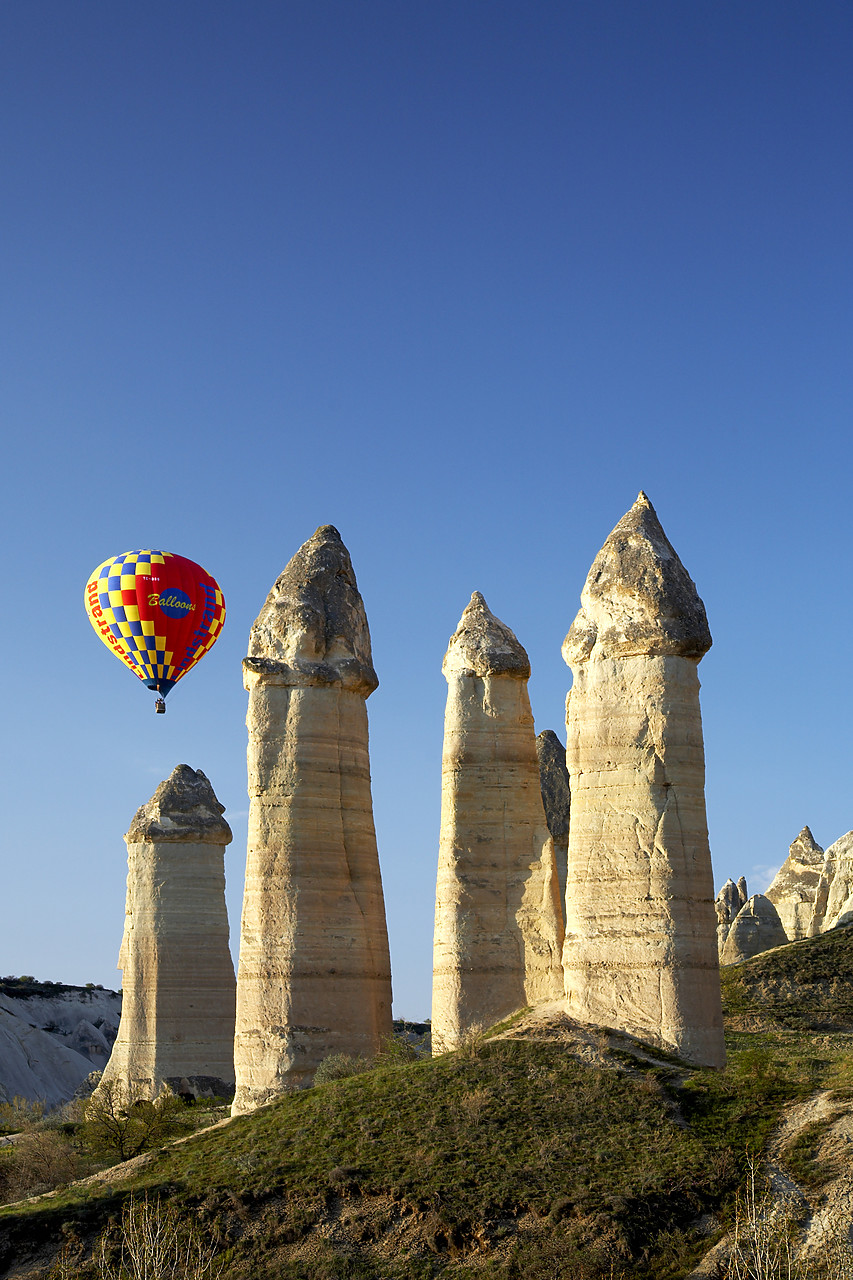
pixel 40 1160
pixel 120 1122
pixel 339 1066
pixel 20 1114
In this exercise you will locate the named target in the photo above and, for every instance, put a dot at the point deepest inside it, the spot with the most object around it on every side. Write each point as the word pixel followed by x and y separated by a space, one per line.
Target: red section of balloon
pixel 158 612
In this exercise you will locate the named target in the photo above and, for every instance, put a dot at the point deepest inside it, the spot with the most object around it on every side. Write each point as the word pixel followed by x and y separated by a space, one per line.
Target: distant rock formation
pixel 755 928
pixel 177 1020
pixel 50 1039
pixel 834 900
pixel 794 890
pixel 314 976
pixel 640 951
pixel 556 799
pixel 498 920
pixel 728 903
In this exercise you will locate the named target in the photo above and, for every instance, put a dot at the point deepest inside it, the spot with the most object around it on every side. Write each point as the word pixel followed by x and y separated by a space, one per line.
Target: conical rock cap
pixel 482 645
pixel 313 627
pixel 638 599
pixel 183 808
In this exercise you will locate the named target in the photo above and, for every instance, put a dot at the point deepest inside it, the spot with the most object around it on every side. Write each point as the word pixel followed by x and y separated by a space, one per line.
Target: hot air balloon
pixel 159 614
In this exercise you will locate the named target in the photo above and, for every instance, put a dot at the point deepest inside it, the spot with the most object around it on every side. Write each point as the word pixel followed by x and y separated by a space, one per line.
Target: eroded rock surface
pixel 794 890
pixel 498 920
pixel 48 1065
pixel 641 949
pixel 177 1019
pixel 314 976
pixel 834 900
pixel 755 928
pixel 728 903
pixel 556 799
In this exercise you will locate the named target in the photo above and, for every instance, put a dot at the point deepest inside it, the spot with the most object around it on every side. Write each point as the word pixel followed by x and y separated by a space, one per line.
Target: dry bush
pixel 154 1241
pixel 765 1240
pixel 40 1160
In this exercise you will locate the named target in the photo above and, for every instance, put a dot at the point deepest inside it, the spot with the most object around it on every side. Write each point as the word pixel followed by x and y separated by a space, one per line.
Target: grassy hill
pixel 543 1150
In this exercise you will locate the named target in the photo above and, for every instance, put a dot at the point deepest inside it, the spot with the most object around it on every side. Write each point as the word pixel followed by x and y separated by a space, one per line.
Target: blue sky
pixel 459 278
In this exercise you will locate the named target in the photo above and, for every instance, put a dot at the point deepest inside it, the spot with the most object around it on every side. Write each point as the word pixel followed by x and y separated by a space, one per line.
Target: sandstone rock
pixel 498 922
pixel 834 898
pixel 178 983
pixel 794 890
pixel 755 928
pixel 314 976
pixel 742 890
pixel 640 952
pixel 728 903
pixel 554 786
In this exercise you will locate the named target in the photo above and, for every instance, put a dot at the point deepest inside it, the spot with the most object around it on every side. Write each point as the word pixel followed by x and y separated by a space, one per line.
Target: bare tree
pixel 154 1241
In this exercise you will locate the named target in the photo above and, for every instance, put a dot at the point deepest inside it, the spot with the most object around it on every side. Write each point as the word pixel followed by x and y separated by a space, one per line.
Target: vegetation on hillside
pixel 510 1158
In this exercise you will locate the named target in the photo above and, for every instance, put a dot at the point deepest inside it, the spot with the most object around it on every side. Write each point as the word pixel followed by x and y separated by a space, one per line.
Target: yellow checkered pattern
pixel 114 613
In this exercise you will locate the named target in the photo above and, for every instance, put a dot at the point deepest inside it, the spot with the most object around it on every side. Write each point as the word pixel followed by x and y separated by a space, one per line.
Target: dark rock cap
pixel 313 628
pixel 638 599
pixel 482 645
pixel 554 784
pixel 184 807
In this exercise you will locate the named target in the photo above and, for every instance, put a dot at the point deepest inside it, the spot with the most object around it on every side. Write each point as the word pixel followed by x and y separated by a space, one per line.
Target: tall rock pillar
pixel 314 976
pixel 641 949
pixel 177 1017
pixel 498 923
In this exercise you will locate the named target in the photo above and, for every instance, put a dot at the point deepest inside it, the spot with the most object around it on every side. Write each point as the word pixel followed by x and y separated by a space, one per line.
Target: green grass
pixel 806 986
pixel 467 1143
pixel 510 1158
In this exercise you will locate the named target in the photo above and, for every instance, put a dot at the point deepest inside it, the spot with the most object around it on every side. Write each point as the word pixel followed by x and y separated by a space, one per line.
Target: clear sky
pixel 459 277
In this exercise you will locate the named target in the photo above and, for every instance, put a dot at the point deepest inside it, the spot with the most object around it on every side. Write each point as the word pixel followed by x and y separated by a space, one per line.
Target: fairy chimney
pixel 178 991
pixel 314 976
pixel 641 949
pixel 498 922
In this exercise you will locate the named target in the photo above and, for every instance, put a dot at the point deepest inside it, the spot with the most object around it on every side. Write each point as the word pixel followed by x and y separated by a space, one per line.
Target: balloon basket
pixel 160 706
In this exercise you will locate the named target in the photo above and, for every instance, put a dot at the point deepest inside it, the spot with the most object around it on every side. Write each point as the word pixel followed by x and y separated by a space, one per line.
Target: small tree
pixel 20 1113
pixel 119 1121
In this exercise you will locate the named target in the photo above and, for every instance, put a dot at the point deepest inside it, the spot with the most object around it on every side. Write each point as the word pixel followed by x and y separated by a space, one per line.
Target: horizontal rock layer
pixel 498 919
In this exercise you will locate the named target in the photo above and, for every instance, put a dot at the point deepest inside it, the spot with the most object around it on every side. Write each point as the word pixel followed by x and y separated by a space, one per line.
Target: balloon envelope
pixel 158 612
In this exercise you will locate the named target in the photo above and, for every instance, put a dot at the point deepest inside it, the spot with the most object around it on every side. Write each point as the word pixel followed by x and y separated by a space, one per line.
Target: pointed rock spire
pixel 638 599
pixel 796 886
pixel 482 645
pixel 313 627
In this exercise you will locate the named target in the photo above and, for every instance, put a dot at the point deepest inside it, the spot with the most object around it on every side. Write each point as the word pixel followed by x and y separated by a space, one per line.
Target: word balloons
pixel 158 612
